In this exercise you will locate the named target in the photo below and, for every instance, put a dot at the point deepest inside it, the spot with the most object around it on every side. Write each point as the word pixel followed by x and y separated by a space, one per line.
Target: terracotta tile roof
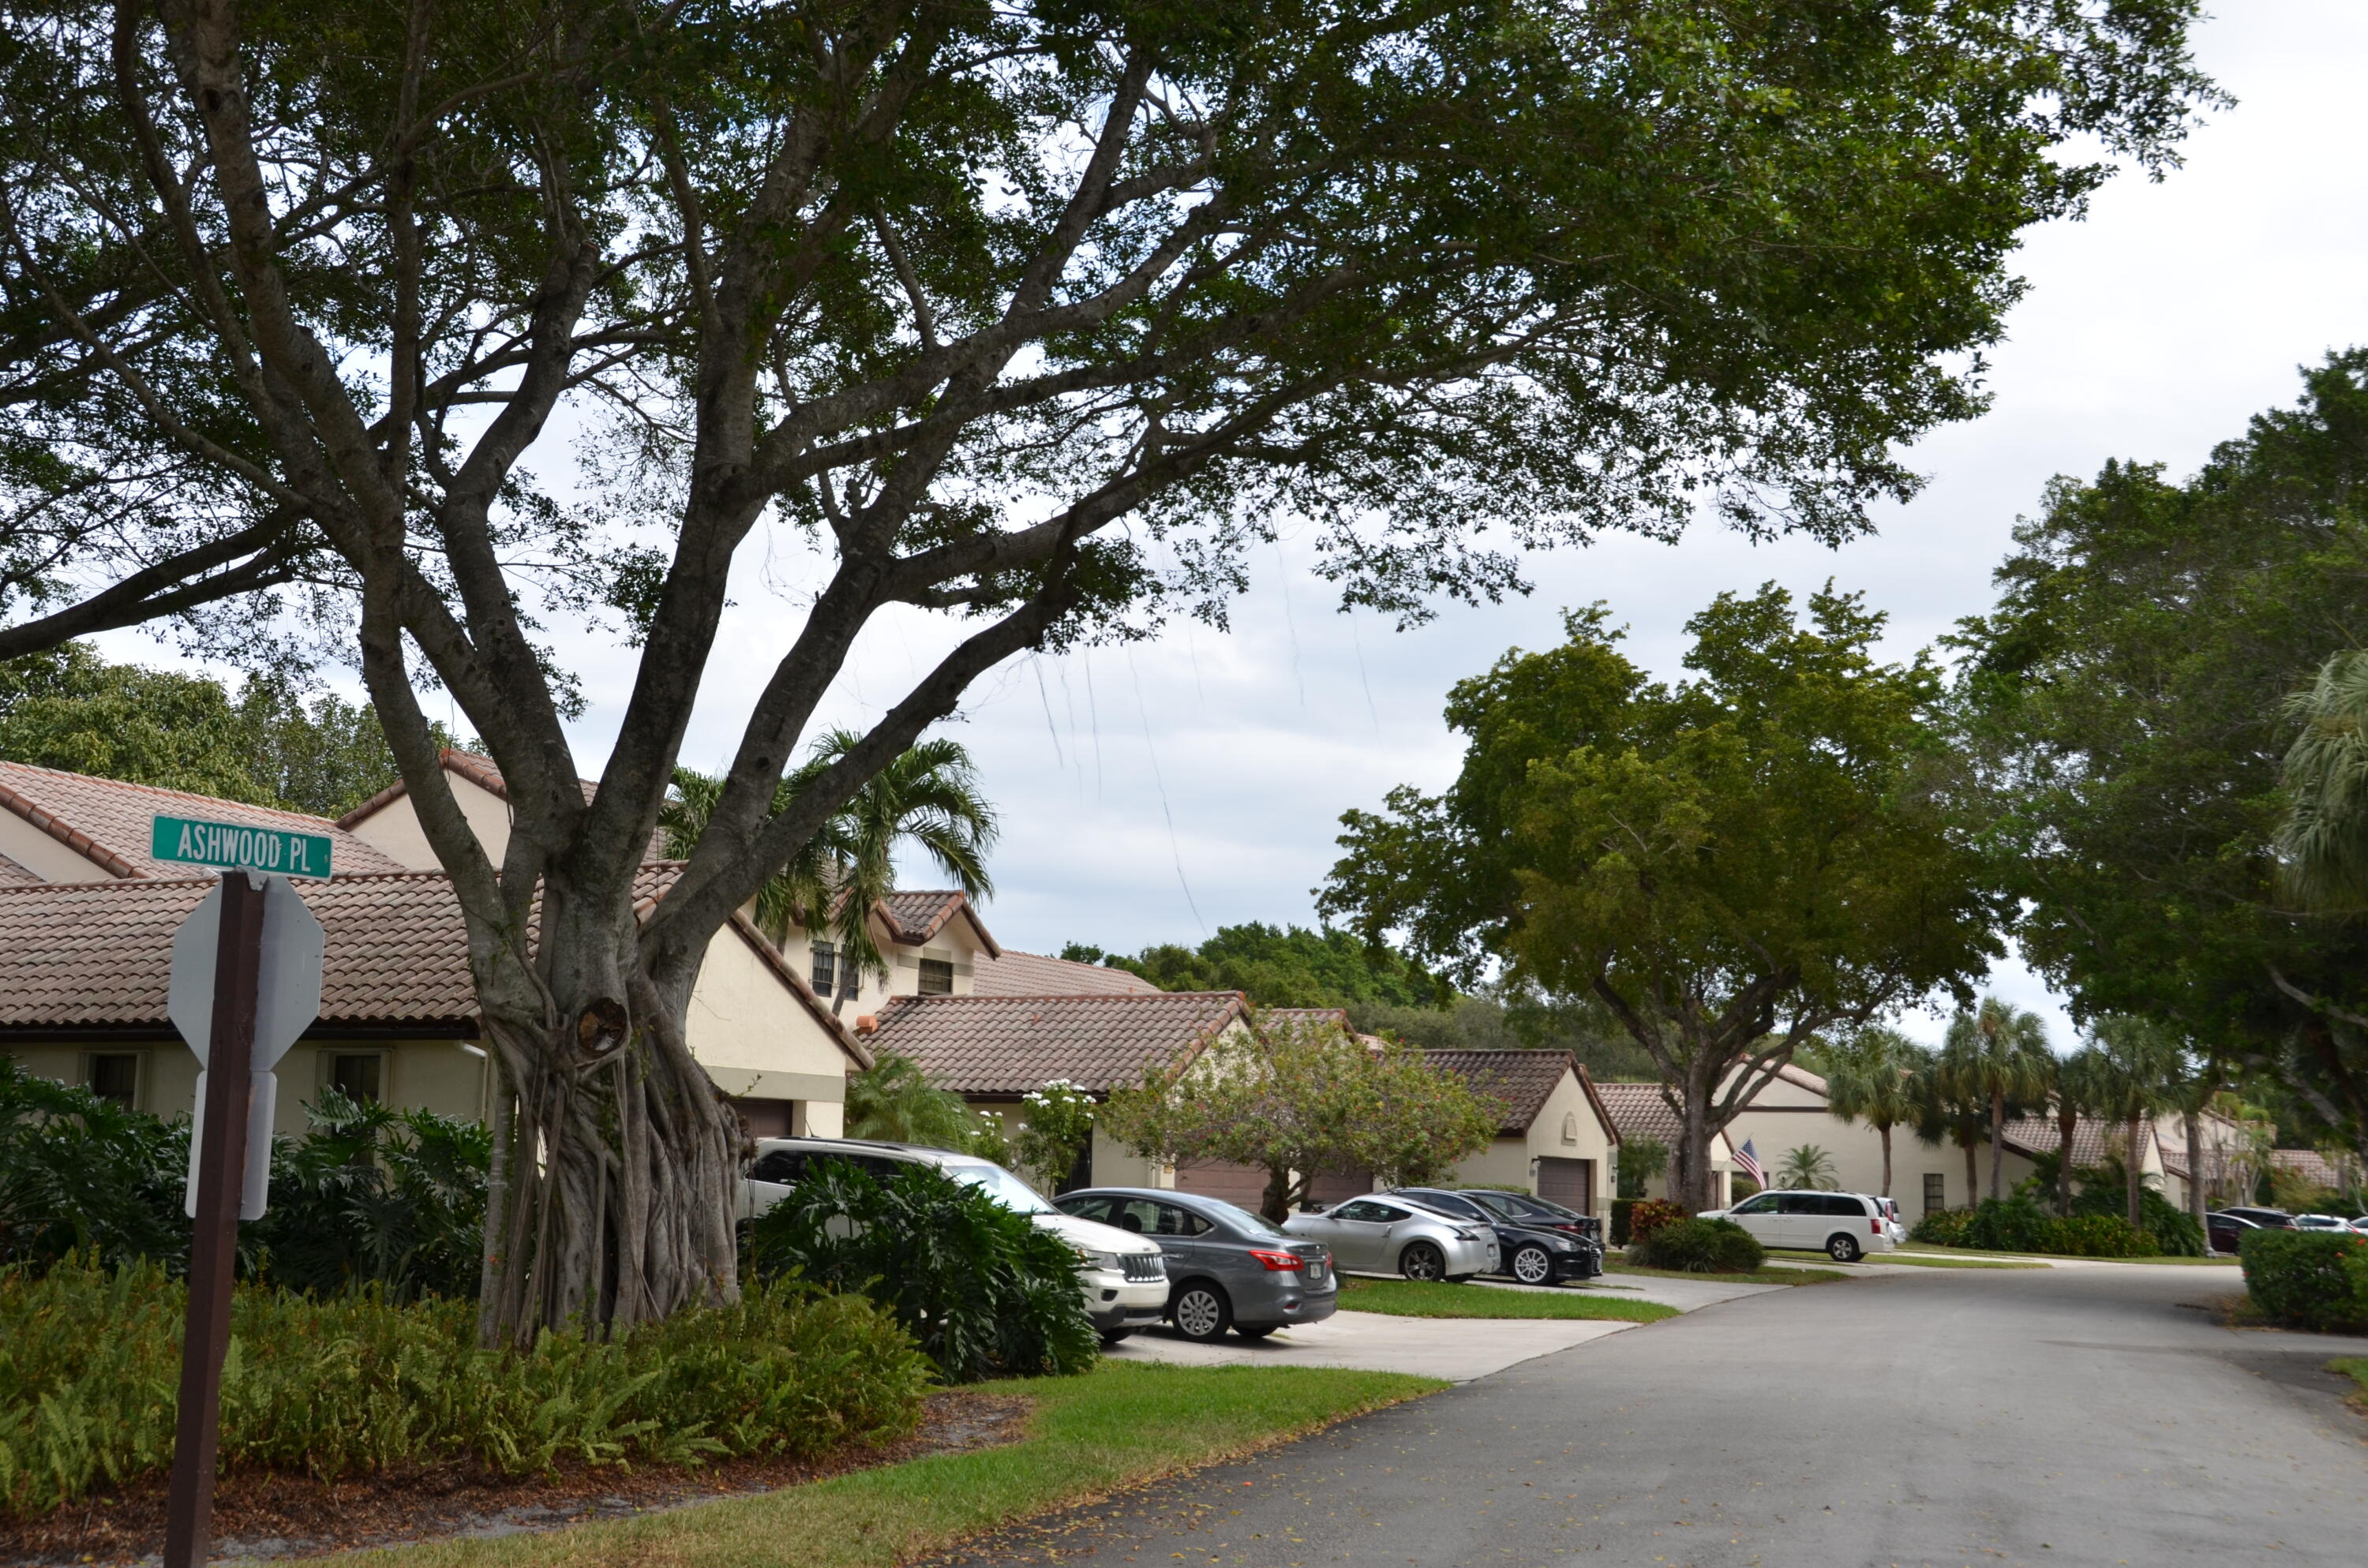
pixel 107 821
pixel 915 917
pixel 2309 1163
pixel 99 954
pixel 1639 1111
pixel 1012 973
pixel 2092 1140
pixel 1519 1080
pixel 994 1046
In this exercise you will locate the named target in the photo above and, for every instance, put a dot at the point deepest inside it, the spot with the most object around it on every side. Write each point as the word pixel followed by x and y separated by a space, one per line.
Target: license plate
pixel 1315 1274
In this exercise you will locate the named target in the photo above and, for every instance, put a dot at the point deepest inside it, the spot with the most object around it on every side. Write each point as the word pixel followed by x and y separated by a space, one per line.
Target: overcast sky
pixel 1154 794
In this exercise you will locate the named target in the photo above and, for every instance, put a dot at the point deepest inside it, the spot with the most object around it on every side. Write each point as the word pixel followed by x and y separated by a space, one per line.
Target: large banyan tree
pixel 392 332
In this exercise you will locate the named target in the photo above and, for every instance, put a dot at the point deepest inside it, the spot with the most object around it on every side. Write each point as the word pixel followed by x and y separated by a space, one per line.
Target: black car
pixel 1533 1254
pixel 1537 1213
pixel 2224 1229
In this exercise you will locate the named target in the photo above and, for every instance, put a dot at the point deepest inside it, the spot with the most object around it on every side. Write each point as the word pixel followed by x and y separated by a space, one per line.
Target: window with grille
pixel 115 1075
pixel 1936 1196
pixel 936 977
pixel 358 1075
pixel 825 968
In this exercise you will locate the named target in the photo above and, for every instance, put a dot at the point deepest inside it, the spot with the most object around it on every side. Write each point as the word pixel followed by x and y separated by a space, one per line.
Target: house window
pixel 359 1075
pixel 114 1076
pixel 1936 1196
pixel 825 968
pixel 936 977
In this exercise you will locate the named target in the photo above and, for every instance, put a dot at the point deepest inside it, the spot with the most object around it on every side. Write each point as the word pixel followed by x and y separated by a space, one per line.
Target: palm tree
pixel 928 796
pixel 2323 842
pixel 2138 1062
pixel 1807 1168
pixel 1868 1078
pixel 1943 1113
pixel 1996 1053
pixel 2076 1087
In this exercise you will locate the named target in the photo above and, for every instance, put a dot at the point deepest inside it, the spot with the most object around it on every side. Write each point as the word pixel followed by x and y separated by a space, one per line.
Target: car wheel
pixel 1203 1313
pixel 1842 1249
pixel 1533 1267
pixel 1112 1335
pixel 1422 1261
pixel 1260 1332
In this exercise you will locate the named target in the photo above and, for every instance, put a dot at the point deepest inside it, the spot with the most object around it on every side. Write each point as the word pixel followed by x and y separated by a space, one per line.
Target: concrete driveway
pixel 1946 1416
pixel 1458 1349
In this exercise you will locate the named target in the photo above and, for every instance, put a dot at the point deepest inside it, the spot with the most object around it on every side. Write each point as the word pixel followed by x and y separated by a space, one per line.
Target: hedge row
pixel 2018 1224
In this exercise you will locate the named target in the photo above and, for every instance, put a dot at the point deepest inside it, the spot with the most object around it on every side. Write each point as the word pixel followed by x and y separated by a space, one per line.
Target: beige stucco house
pixel 1557 1140
pixel 1642 1111
pixel 87 918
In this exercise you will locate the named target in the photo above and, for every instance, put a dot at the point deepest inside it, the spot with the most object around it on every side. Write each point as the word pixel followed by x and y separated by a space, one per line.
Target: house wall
pixel 1566 1128
pixel 44 855
pixel 422 1075
pixel 754 1038
pixel 957 945
pixel 393 829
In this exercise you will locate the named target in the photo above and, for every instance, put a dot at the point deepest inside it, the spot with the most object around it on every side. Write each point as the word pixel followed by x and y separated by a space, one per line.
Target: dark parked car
pixel 1531 1253
pixel 2224 1229
pixel 1539 1213
pixel 1226 1266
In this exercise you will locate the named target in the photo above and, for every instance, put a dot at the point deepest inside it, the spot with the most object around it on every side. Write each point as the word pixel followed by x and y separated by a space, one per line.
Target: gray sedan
pixel 1376 1235
pixel 1227 1267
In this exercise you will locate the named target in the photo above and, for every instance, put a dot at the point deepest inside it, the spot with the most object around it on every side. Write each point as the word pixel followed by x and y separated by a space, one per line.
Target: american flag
pixel 1747 1160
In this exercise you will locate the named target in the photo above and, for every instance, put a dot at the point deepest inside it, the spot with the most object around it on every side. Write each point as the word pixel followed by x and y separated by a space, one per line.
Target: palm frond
pixel 2322 846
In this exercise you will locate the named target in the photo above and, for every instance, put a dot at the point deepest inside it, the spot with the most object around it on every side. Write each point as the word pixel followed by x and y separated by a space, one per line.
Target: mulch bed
pixel 269 1515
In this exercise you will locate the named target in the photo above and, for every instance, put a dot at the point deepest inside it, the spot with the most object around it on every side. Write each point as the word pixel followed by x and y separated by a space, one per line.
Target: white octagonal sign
pixel 288 991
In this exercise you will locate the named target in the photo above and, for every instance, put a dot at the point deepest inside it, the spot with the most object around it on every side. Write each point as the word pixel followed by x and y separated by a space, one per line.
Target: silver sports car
pixel 1376 1235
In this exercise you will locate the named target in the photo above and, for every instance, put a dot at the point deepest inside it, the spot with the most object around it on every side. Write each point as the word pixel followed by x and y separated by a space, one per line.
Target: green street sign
pixel 237 845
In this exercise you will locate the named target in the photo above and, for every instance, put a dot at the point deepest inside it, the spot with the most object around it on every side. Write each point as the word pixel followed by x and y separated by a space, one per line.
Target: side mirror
pixel 1314 1207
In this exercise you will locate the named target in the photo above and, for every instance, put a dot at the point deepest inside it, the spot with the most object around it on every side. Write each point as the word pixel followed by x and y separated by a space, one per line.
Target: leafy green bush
pixel 1942 1228
pixel 1700 1246
pixel 2171 1231
pixel 394 1199
pixel 986 1292
pixel 1646 1215
pixel 82 1175
pixel 2311 1278
pixel 2020 1224
pixel 90 1366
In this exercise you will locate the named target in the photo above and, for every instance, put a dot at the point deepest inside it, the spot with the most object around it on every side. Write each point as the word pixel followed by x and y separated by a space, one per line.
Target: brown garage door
pixel 1243 1185
pixel 1570 1183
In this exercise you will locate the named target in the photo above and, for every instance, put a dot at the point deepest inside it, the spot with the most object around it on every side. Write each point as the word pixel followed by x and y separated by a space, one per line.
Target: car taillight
pixel 1280 1262
pixel 1874 1226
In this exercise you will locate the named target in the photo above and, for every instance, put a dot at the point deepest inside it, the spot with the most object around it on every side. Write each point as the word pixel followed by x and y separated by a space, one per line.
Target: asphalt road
pixel 1961 1416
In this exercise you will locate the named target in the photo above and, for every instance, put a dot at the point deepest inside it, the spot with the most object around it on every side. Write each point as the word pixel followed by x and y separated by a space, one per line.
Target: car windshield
pixel 1002 1186
pixel 1514 1206
pixel 1242 1219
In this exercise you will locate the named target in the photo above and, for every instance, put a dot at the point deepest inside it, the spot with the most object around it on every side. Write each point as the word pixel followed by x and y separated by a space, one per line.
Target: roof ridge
pixel 101 779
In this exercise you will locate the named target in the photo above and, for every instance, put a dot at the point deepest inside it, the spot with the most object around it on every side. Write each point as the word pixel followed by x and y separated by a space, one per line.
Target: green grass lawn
pixel 1089 1436
pixel 2356 1368
pixel 1773 1275
pixel 1412 1299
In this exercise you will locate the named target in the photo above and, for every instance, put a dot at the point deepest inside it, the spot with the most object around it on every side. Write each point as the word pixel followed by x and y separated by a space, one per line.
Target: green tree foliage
pixel 269 745
pixel 1031 316
pixel 1870 1076
pixel 83 1174
pixel 1808 1167
pixel 927 798
pixel 985 1292
pixel 1301 1099
pixel 895 1101
pixel 1726 865
pixel 2126 707
pixel 1996 1054
pixel 1642 1160
pixel 370 1197
pixel 1058 1127
pixel 1283 967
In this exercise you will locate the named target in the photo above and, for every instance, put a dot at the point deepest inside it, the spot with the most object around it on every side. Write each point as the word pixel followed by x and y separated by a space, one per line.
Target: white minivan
pixel 1125 1276
pixel 1845 1226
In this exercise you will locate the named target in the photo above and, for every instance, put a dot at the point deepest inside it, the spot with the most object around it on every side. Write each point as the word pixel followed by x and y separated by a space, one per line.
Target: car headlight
pixel 1108 1262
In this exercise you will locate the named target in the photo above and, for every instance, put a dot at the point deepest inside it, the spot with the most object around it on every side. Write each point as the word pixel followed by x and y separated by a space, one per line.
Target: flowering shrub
pixel 1649 1214
pixel 1060 1125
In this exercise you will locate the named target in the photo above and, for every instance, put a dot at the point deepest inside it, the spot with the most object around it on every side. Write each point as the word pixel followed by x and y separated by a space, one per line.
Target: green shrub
pixel 2094 1235
pixel 984 1290
pixel 82 1175
pixel 1647 1215
pixel 2172 1231
pixel 1942 1228
pixel 90 1366
pixel 2310 1279
pixel 1700 1246
pixel 372 1197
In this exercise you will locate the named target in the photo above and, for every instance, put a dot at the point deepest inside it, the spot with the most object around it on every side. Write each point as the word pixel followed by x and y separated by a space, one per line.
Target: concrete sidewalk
pixel 1458 1349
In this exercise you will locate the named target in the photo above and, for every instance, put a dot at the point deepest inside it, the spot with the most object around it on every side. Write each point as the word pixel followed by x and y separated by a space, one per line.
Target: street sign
pixel 287 982
pixel 246 982
pixel 230 843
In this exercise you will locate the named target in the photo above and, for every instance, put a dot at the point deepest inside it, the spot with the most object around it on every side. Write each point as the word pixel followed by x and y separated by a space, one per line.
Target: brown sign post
pixel 214 1245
